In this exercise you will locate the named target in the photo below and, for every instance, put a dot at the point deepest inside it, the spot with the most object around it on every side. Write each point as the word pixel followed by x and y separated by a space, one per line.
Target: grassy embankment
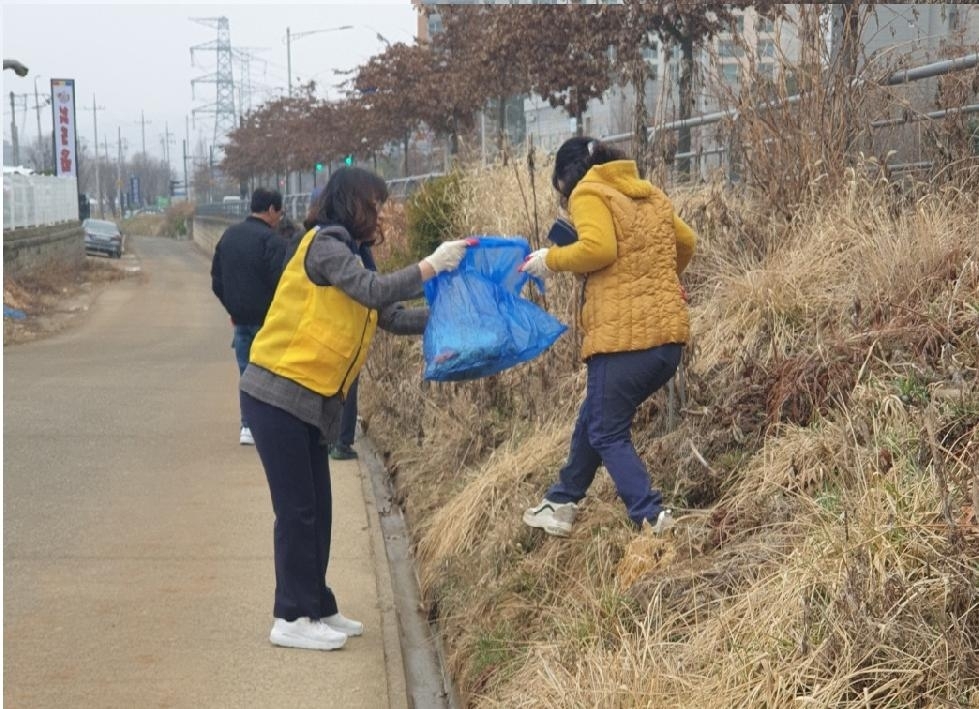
pixel 170 223
pixel 822 446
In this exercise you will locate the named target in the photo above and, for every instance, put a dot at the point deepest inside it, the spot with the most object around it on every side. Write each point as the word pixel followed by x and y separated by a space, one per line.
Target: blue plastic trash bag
pixel 478 324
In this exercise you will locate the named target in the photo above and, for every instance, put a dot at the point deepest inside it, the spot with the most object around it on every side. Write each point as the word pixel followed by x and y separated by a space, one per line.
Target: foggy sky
pixel 136 57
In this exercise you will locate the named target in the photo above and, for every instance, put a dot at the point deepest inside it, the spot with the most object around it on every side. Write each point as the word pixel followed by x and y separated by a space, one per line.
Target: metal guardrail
pixel 240 210
pixel 296 205
pixel 404 186
pixel 925 71
pixel 932 116
pixel 222 209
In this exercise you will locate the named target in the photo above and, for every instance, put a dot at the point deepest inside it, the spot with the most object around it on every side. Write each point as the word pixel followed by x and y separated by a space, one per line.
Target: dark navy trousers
pixel 617 384
pixel 298 472
pixel 348 419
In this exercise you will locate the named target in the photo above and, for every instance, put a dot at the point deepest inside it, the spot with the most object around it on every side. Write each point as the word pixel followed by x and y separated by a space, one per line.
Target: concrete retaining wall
pixel 207 230
pixel 34 249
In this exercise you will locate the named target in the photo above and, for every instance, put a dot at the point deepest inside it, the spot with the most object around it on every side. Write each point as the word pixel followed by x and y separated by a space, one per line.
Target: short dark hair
pixel 262 199
pixel 352 198
pixel 575 157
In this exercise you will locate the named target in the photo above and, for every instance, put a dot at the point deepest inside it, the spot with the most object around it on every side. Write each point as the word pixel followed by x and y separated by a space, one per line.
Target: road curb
pixel 412 649
pixel 394 665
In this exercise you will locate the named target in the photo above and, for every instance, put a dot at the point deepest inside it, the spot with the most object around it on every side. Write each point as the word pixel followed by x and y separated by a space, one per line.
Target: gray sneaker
pixel 553 517
pixel 664 522
pixel 342 624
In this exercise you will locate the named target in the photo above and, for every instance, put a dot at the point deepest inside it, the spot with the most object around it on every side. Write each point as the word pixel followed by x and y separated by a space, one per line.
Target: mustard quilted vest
pixel 635 302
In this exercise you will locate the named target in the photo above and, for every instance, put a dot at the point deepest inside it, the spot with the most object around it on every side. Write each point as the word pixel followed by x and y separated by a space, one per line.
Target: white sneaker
pixel 664 522
pixel 245 438
pixel 553 517
pixel 305 634
pixel 342 624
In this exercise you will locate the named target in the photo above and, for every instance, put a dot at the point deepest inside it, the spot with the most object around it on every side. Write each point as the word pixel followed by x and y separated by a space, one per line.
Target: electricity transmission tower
pixel 223 109
pixel 245 57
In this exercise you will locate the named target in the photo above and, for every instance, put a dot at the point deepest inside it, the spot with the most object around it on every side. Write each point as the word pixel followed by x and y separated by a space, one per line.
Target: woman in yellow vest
pixel 302 362
pixel 631 248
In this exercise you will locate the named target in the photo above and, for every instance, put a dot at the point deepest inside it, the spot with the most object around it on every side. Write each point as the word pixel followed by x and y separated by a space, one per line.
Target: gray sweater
pixel 331 260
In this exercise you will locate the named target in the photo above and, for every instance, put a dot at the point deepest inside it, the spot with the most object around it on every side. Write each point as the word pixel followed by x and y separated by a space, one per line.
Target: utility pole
pixel 119 172
pixel 143 122
pixel 290 36
pixel 289 60
pixel 13 130
pixel 166 148
pixel 98 175
pixel 186 155
pixel 186 187
pixel 37 108
pixel 105 148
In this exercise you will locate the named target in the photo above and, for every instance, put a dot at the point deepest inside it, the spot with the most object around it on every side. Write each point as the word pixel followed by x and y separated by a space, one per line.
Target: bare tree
pixel 684 25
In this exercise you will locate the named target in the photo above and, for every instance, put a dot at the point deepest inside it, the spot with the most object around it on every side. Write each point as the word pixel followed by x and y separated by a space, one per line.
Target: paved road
pixel 138 533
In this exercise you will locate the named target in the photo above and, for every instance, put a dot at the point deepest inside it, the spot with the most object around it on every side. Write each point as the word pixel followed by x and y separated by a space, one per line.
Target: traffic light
pixel 174 187
pixel 348 160
pixel 319 167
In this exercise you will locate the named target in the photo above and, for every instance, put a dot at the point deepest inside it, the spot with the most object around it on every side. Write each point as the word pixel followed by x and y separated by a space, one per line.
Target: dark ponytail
pixel 576 157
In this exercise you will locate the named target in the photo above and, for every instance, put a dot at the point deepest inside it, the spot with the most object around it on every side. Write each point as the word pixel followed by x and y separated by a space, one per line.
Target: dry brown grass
pixel 824 465
pixel 54 296
pixel 171 223
pixel 143 225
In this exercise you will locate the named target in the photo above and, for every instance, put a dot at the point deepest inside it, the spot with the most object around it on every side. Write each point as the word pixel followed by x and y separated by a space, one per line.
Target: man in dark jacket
pixel 245 270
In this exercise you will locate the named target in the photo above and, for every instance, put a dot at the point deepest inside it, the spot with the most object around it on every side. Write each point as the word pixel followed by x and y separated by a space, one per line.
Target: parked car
pixel 102 237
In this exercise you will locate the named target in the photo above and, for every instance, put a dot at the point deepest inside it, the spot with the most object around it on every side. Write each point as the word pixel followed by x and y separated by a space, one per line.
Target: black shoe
pixel 341 451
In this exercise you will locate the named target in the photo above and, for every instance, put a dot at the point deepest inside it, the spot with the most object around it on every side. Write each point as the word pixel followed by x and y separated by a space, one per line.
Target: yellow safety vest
pixel 317 336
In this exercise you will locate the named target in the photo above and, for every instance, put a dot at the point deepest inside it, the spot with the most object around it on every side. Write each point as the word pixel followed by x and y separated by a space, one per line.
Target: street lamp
pixel 380 37
pixel 18 68
pixel 290 36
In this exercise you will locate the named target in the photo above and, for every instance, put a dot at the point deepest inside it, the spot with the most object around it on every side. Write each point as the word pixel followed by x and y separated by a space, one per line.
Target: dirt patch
pixel 52 300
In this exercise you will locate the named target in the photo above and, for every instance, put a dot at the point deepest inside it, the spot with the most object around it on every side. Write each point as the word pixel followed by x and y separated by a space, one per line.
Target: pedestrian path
pixel 138 533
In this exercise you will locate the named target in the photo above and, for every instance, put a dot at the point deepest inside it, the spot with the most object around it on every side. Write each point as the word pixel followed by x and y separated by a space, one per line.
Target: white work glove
pixel 448 255
pixel 536 264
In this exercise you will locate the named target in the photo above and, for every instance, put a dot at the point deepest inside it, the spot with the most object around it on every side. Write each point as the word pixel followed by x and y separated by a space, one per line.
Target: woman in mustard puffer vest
pixel 631 249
